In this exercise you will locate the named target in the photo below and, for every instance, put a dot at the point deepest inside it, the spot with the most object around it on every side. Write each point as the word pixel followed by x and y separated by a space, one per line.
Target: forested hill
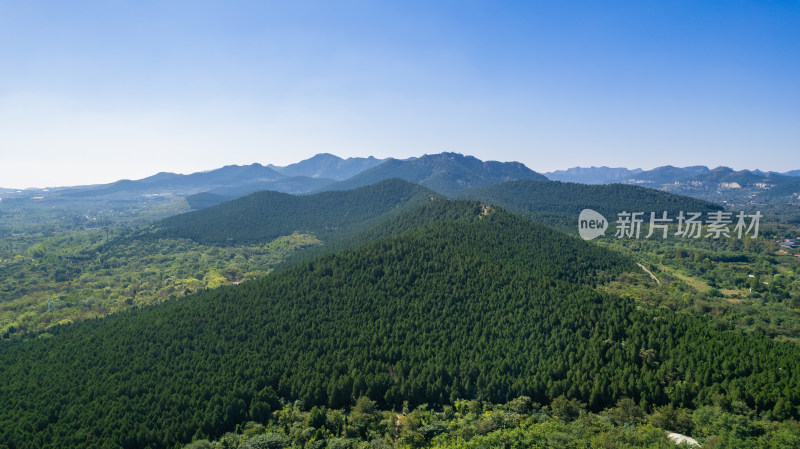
pixel 559 203
pixel 446 173
pixel 263 216
pixel 488 305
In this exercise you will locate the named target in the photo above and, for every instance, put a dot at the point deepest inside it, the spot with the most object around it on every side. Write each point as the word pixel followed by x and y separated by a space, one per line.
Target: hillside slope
pixel 488 305
pixel 263 216
pixel 558 203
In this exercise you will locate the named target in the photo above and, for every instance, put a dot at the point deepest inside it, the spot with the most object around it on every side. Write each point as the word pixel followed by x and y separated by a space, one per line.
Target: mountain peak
pixel 327 165
pixel 722 169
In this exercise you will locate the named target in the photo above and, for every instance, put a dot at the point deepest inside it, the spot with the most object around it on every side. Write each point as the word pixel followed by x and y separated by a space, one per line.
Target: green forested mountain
pixel 95 278
pixel 559 203
pixel 446 173
pixel 205 200
pixel 263 216
pixel 485 305
pixel 744 283
pixel 90 273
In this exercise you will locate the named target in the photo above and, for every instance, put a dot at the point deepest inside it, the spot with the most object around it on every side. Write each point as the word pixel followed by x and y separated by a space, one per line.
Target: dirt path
pixel 397 420
pixel 648 272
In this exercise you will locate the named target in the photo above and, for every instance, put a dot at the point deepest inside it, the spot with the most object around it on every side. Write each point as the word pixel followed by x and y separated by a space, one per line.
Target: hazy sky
pixel 94 91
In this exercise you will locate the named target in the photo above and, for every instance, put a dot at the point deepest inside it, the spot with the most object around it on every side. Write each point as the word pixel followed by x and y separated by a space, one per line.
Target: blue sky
pixel 94 91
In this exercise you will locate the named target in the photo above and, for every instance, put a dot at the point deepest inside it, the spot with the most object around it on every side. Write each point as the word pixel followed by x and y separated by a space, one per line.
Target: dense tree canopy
pixel 488 305
pixel 264 216
pixel 559 203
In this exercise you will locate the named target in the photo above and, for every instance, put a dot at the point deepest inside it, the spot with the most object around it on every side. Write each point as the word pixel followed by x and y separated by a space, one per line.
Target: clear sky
pixel 94 91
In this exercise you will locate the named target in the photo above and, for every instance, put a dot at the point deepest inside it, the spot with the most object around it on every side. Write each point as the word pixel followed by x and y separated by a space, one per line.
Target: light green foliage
pixel 266 441
pixel 199 444
pixel 451 429
pixel 746 284
pixel 85 275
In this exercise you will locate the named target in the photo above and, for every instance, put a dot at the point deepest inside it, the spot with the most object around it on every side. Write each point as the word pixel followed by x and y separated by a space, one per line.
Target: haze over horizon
pixel 98 92
pixel 267 164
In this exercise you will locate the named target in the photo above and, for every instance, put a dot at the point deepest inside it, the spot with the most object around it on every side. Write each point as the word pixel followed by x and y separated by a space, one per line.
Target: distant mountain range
pixel 670 175
pixel 722 184
pixel 328 166
pixel 445 173
pixel 448 174
pixel 231 180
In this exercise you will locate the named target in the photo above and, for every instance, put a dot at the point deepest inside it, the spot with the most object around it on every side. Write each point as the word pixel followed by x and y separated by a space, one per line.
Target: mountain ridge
pixel 446 173
pixel 667 174
pixel 327 165
pixel 265 215
pixel 558 203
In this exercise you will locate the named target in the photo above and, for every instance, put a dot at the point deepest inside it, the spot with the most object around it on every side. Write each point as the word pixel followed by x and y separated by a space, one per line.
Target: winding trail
pixel 648 272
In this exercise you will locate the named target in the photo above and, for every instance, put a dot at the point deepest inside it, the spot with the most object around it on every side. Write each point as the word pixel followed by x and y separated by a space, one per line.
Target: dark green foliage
pixel 565 409
pixel 559 203
pixel 485 306
pixel 205 200
pixel 316 418
pixel 394 223
pixel 263 216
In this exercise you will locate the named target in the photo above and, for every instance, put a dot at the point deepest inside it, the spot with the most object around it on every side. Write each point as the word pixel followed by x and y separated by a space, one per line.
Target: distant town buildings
pixel 789 243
